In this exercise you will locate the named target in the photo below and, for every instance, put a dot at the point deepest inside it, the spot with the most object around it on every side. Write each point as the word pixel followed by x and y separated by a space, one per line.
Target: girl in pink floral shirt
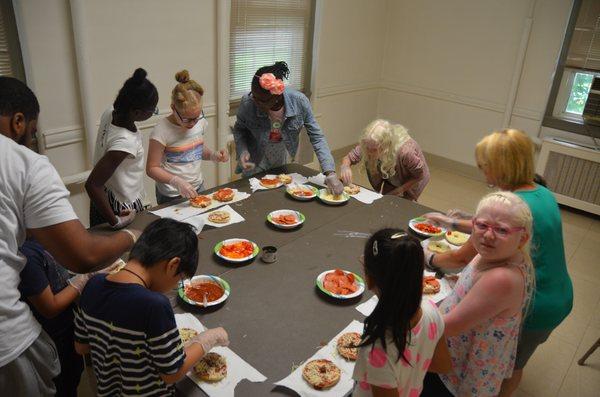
pixel 404 336
pixel 483 314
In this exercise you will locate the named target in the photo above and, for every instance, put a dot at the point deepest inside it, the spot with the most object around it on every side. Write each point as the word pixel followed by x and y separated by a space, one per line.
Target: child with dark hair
pixel 268 125
pixel 115 185
pixel 50 292
pixel 403 337
pixel 128 325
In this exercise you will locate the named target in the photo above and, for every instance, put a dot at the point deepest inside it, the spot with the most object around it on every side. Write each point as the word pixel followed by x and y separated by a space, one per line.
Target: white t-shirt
pixel 32 196
pixel 380 367
pixel 127 182
pixel 183 153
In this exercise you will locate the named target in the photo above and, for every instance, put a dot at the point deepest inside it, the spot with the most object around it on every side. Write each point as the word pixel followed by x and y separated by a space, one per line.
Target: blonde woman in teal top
pixel 506 159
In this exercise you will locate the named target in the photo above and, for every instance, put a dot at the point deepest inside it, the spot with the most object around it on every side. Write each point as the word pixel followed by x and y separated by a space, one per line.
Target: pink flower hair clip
pixel 269 82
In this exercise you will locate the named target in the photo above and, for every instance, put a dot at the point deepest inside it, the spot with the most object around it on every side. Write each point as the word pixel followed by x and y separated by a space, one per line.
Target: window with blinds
pixel 584 49
pixel 265 31
pixel 578 64
pixel 11 63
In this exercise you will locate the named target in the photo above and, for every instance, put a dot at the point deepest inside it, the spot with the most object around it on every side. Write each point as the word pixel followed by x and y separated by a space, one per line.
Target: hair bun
pixel 139 75
pixel 182 76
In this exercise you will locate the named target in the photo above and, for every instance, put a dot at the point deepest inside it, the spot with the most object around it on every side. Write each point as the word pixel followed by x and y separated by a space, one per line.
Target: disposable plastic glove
pixel 211 338
pixel 439 219
pixel 245 161
pixel 334 184
pixel 220 156
pixel 185 189
pixel 124 219
pixel 80 280
pixel 459 214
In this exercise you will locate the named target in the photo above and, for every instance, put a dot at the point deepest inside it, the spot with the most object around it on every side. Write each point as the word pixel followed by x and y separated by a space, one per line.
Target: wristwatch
pixel 438 272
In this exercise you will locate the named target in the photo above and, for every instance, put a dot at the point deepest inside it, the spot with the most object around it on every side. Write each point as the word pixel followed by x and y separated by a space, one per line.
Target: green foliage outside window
pixel 579 92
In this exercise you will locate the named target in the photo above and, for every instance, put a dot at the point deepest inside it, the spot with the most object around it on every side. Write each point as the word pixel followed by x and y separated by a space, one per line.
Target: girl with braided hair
pixel 268 124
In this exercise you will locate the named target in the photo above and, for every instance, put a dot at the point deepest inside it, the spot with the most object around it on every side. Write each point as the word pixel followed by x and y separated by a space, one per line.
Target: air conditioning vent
pixel 572 173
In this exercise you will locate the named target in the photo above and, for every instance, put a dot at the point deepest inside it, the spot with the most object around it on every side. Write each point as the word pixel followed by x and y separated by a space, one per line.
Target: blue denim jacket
pixel 252 127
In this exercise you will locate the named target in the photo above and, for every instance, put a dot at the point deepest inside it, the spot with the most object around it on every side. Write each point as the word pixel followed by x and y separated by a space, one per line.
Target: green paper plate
pixel 214 279
pixel 359 281
pixel 301 218
pixel 235 240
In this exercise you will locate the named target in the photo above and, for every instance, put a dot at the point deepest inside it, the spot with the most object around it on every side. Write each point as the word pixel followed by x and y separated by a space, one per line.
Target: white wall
pixel 441 68
pixel 119 37
pixel 349 66
pixel 448 68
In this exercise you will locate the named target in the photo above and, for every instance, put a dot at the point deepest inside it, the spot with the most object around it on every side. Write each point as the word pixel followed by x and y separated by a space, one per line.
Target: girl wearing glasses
pixel 506 159
pixel 115 185
pixel 484 312
pixel 176 147
pixel 268 124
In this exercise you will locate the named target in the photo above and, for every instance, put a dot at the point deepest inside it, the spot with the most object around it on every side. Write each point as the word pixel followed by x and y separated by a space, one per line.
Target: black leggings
pixel 71 365
pixel 434 387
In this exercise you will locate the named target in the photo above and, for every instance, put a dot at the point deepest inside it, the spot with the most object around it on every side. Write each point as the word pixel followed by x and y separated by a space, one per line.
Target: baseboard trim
pixel 341 152
pixel 462 169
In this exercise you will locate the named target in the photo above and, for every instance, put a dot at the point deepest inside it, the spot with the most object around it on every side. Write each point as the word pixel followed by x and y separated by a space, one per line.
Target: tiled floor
pixel 553 370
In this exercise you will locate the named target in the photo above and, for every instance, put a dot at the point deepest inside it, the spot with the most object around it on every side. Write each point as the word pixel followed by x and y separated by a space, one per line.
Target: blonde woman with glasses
pixel 393 160
pixel 176 148
pixel 506 159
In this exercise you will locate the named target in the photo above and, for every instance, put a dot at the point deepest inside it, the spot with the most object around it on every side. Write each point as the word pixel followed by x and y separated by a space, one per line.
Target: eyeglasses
pixel 271 101
pixel 500 231
pixel 189 121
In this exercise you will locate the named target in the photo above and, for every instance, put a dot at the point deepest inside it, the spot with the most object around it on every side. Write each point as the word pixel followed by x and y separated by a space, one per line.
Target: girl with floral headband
pixel 404 335
pixel 268 124
pixel 393 160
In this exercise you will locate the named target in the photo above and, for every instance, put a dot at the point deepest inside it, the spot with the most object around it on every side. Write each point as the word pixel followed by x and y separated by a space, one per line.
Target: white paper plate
pixel 300 218
pixel 323 197
pixel 414 221
pixel 313 189
pixel 204 278
pixel 232 241
pixel 359 282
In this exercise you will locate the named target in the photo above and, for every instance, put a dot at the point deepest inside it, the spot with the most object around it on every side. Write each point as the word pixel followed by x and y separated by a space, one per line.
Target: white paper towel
pixel 296 382
pixel 237 368
pixel 184 210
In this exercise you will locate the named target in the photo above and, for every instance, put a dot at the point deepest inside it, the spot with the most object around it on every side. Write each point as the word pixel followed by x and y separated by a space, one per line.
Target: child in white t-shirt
pixel 115 185
pixel 176 148
pixel 403 337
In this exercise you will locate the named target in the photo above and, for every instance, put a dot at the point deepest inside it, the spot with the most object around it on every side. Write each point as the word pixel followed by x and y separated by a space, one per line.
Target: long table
pixel 275 316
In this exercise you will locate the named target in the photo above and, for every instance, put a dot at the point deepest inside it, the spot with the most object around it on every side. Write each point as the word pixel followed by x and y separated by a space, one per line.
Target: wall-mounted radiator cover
pixel 572 172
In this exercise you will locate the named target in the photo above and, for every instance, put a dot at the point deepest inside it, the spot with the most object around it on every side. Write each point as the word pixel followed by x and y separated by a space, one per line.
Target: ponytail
pixel 137 93
pixel 182 95
pixel 394 261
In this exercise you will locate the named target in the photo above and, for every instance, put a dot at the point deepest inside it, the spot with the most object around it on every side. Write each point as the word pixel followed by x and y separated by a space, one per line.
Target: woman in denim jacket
pixel 268 125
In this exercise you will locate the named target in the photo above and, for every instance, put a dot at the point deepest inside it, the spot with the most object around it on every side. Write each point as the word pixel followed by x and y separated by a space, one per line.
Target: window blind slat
pixel 263 32
pixel 584 49
pixel 5 58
